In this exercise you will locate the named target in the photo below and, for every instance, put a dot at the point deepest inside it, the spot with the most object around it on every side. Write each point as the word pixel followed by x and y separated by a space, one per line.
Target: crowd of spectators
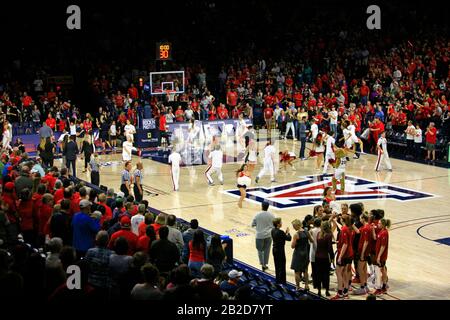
pixel 50 222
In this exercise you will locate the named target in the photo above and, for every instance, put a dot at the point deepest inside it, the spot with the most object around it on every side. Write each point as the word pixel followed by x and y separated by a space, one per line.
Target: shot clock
pixel 163 51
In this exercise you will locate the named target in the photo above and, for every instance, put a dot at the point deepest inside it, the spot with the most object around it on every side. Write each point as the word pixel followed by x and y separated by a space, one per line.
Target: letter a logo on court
pixel 309 192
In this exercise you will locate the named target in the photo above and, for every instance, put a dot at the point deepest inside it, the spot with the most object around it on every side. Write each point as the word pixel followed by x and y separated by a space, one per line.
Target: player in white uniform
pixel 215 165
pixel 269 163
pixel 175 160
pixel 127 148
pixel 129 130
pixel 329 151
pixel 383 161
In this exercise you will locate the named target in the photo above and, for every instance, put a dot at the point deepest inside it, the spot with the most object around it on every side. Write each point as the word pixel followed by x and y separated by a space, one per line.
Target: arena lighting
pixel 141 82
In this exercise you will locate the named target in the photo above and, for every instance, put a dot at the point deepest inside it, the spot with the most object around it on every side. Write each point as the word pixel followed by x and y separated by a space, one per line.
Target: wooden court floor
pixel 418 265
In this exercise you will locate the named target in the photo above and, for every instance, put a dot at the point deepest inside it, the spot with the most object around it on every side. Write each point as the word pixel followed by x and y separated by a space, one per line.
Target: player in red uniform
pixel 381 255
pixel 344 258
pixel 363 254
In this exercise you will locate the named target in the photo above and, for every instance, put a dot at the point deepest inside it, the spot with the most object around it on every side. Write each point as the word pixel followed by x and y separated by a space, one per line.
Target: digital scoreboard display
pixel 163 51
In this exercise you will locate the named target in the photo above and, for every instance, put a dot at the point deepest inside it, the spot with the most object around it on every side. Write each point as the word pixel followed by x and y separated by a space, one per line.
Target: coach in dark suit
pixel 279 238
pixel 71 151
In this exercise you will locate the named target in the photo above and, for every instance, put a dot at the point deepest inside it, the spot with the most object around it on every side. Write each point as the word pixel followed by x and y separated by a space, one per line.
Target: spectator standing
pixel 300 257
pixel 410 132
pixel 70 151
pixel 163 253
pixel 197 252
pixel 279 239
pixel 85 227
pixel 324 256
pixel 418 142
pixel 263 222
pixel 430 138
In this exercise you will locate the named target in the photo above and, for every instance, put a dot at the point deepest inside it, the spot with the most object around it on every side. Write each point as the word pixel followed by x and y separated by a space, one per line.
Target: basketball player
pixel 287 158
pixel 382 253
pixel 215 165
pixel 269 163
pixel 129 130
pixel 329 150
pixel 243 182
pixel 127 148
pixel 175 160
pixel 363 254
pixel 383 160
pixel 343 258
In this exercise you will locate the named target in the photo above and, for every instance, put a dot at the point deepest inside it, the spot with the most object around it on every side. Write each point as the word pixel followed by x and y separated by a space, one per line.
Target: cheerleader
pixel 318 151
pixel 287 158
pixel 252 156
pixel 350 138
pixel 381 254
pixel 243 182
pixel 241 130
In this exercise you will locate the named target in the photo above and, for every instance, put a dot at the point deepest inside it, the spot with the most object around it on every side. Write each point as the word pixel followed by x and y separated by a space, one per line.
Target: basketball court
pixel 414 196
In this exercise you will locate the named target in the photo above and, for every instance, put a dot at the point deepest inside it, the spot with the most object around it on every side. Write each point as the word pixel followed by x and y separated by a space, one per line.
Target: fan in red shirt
pixel 108 212
pixel 268 116
pixel 344 258
pixel 376 128
pixel 43 216
pixel 133 92
pixel 268 99
pixel 235 113
pixel 144 242
pixel 87 123
pixel 430 139
pixel 61 125
pixel 179 114
pixel 298 98
pixel 222 112
pixel 280 95
pixel 119 100
pixel 51 122
pixel 125 224
pixel 27 219
pixel 26 100
pixel 212 113
pixel 9 199
pixel 381 253
pixel 232 98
